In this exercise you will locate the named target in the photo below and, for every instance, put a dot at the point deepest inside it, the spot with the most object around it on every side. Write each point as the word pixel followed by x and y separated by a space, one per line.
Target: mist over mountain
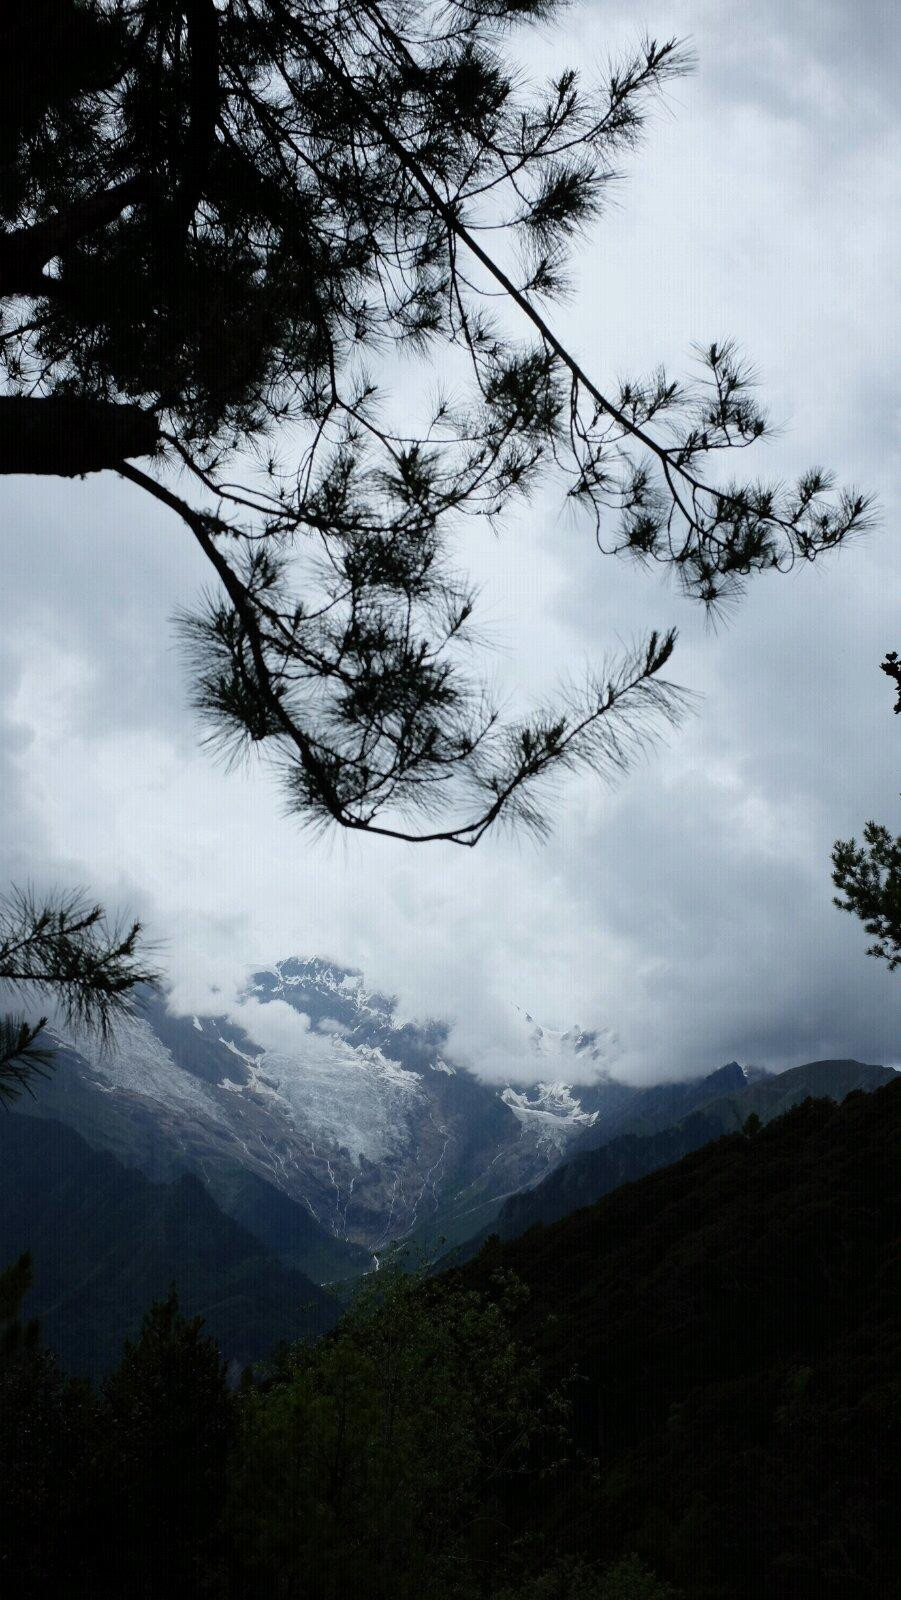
pixel 351 1127
pixel 348 1127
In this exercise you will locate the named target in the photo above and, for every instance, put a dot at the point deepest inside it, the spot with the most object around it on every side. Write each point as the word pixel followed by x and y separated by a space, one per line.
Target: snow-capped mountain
pixel 570 1051
pixel 356 1131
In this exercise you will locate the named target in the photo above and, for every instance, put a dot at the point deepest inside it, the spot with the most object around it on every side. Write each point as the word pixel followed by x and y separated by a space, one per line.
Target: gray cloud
pixel 688 910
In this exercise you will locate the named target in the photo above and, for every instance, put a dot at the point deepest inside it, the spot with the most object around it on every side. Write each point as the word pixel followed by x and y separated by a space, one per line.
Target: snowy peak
pixel 575 1053
pixel 360 1116
pixel 550 1111
pixel 328 978
pixel 336 1001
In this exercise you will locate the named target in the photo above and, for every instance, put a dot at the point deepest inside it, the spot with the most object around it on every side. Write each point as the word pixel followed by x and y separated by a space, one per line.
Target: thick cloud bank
pixel 687 912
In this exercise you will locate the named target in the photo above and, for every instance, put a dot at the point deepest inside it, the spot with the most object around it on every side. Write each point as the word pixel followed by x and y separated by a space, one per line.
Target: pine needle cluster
pixel 65 947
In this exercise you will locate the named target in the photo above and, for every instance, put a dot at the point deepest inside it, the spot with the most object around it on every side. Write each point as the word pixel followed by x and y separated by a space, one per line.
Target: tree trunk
pixel 67 436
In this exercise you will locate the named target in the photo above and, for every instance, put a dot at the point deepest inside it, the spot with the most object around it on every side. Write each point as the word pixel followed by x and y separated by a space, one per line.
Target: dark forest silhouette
pixel 697 1377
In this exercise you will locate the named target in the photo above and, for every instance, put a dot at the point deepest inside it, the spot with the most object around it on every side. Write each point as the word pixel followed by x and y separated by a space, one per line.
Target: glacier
pixel 364 1120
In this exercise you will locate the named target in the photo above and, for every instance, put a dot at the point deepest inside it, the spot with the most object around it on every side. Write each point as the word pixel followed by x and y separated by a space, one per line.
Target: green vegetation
pixel 689 1389
pixel 869 876
pixel 381 1459
pixel 385 1461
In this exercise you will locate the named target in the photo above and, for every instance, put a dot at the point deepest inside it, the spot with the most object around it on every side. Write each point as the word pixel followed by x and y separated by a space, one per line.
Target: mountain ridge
pixel 588 1175
pixel 357 1128
pixel 353 1134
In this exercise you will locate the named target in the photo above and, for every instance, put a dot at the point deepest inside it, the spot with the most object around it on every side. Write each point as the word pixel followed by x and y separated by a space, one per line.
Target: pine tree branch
pixel 70 435
pixel 24 252
pixel 891 666
pixel 869 876
pixel 456 226
pixel 66 947
pixel 22 1059
pixel 729 531
pixel 601 731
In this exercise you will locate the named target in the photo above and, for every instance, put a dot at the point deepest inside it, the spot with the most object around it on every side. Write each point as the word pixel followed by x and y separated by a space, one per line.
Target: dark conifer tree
pixel 217 215
pixel 869 874
pixel 15 1281
pixel 45 1429
pixel 869 877
pixel 166 1421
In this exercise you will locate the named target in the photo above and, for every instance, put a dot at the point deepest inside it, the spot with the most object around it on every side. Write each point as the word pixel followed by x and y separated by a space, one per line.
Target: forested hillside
pixel 105 1242
pixel 595 1171
pixel 734 1320
pixel 689 1389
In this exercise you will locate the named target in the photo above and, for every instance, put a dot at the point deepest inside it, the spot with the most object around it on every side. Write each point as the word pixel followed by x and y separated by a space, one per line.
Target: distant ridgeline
pixel 361 1129
pixel 653 1142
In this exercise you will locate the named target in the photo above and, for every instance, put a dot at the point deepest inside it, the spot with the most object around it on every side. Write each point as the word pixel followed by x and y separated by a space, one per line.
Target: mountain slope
pixel 661 1105
pixel 736 1322
pixel 354 1127
pixel 152 1127
pixel 106 1242
pixel 466 1218
pixel 356 1131
pixel 589 1175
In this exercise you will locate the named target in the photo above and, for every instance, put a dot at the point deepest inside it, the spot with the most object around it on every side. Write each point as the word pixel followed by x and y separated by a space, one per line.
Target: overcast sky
pixel 687 912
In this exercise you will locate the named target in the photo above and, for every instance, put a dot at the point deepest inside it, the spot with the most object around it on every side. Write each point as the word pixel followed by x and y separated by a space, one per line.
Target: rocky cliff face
pixel 360 1132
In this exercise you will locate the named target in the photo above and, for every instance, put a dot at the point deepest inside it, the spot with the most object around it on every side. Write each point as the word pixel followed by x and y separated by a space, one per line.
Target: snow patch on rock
pixel 550 1110
pixel 140 1064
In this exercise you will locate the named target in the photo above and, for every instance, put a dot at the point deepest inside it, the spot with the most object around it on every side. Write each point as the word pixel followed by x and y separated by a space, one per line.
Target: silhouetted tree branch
pixel 214 216
pixel 25 252
pixel 64 947
pixel 869 875
pixel 892 666
pixel 70 435
pixel 22 1057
